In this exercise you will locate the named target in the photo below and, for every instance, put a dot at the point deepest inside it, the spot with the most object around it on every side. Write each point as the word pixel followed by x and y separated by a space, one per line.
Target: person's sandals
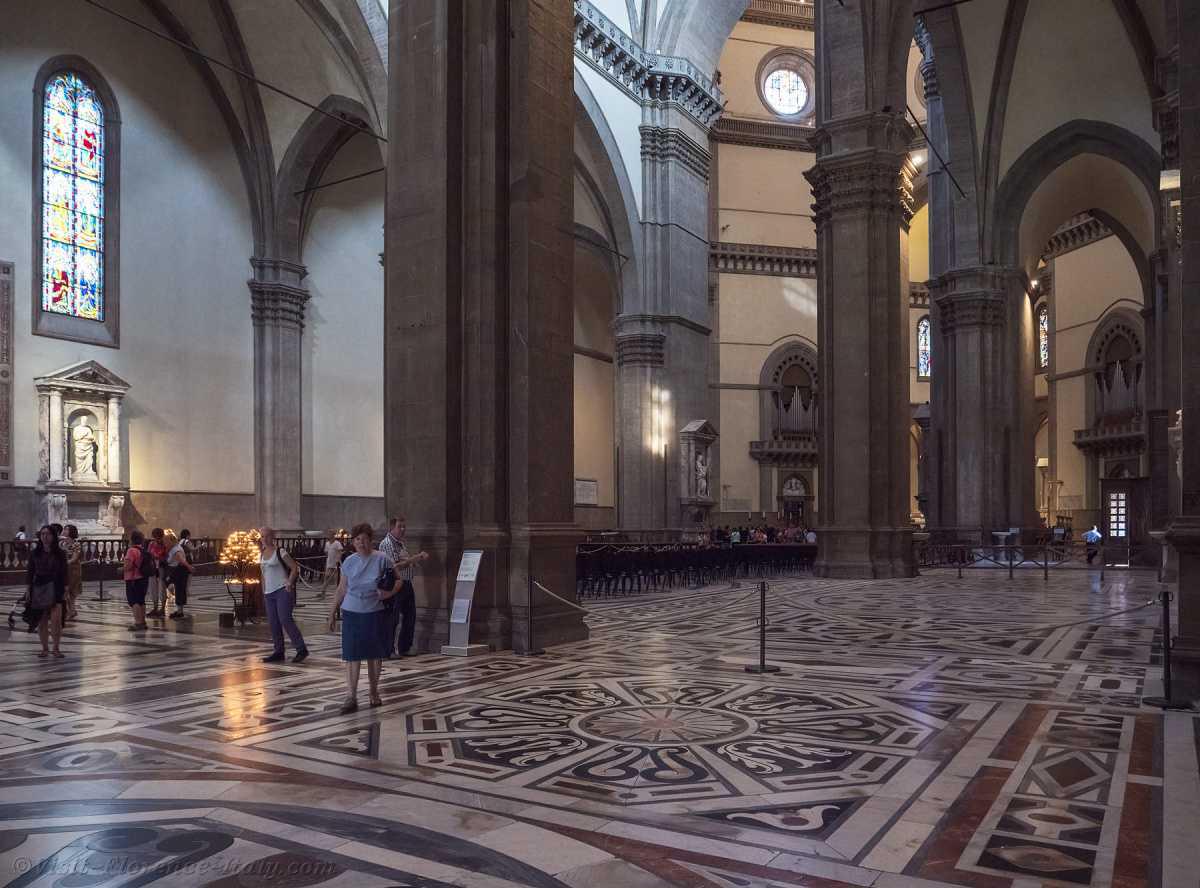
pixel 58 655
pixel 376 700
pixel 43 654
pixel 349 706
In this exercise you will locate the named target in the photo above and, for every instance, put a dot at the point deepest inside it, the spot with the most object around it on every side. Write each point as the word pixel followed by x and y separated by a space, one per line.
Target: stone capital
pixel 972 297
pixel 641 349
pixel 665 145
pixel 862 181
pixel 276 295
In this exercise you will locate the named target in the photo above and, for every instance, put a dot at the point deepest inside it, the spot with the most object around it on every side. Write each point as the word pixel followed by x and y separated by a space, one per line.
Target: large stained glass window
pixel 72 198
pixel 923 347
pixel 1043 324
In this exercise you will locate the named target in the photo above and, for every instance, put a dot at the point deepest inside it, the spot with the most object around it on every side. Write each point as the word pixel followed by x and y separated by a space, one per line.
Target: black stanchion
pixel 762 666
pixel 1167 701
pixel 530 650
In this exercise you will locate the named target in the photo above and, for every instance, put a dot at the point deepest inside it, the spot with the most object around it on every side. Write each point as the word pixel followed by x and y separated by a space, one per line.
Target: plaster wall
pixel 276 53
pixel 624 116
pixel 980 25
pixel 618 13
pixel 1088 283
pixel 594 425
pixel 1060 75
pixel 764 197
pixel 343 345
pixel 185 241
pixel 739 473
pixel 918 246
pixel 742 55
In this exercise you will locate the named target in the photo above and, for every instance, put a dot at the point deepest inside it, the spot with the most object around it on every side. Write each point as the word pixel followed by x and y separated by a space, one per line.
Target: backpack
pixel 147 566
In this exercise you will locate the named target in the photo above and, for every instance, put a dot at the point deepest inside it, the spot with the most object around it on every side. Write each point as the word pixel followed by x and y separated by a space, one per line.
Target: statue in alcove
pixel 701 474
pixel 84 448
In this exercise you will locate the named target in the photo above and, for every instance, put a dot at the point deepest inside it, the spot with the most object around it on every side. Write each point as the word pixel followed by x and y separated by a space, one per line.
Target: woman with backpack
pixel 279 575
pixel 137 557
pixel 46 577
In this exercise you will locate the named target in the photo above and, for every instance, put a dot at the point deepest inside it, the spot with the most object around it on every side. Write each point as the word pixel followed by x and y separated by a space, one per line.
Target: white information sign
pixel 468 568
pixel 587 492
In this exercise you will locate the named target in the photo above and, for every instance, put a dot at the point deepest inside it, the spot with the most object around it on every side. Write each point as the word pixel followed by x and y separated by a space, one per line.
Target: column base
pixel 868 554
pixel 1183 535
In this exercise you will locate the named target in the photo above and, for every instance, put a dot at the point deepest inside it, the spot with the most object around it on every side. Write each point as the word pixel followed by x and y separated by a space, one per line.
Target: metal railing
pixel 1042 556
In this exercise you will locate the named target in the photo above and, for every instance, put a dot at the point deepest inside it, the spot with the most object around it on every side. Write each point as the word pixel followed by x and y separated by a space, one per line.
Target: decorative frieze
pixel 759 259
pixel 793 452
pixel 6 373
pixel 1076 232
pixel 647 77
pixel 763 134
pixel 641 349
pixel 1123 439
pixel 782 14
pixel 662 145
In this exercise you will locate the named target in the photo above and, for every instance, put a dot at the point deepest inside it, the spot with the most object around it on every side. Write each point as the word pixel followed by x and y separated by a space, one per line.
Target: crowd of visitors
pixel 375 600
pixel 762 534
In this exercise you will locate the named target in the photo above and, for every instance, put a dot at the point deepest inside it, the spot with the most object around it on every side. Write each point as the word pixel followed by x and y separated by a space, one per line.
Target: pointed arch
pixel 304 163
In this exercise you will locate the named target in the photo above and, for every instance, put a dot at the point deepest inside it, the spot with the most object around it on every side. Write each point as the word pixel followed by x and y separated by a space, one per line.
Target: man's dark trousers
pixel 404 613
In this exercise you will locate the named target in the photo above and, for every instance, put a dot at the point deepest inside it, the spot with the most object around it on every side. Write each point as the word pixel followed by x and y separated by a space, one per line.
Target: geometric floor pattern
pixel 922 733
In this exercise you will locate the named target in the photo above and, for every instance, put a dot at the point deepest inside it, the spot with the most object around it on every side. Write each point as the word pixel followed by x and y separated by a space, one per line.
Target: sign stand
pixel 460 610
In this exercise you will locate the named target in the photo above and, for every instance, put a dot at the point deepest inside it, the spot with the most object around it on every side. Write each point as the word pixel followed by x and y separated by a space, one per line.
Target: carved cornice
pixel 663 145
pixel 647 77
pixel 759 259
pixel 763 134
pixel 641 349
pixel 867 183
pixel 781 14
pixel 918 295
pixel 1076 232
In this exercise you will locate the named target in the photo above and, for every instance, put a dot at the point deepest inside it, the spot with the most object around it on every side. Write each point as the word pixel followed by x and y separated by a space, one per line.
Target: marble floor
pixel 976 732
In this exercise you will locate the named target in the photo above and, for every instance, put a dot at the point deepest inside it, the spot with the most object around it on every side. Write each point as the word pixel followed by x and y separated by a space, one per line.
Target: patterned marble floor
pixel 979 732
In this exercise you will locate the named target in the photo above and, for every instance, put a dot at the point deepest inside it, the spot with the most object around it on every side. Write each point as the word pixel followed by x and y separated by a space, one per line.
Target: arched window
pixel 924 351
pixel 75 280
pixel 1043 327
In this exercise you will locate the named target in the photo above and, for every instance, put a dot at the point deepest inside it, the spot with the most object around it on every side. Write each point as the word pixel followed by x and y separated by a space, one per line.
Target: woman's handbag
pixel 42 597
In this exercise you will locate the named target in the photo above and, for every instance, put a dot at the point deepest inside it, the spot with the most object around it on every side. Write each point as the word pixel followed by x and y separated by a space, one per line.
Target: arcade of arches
pixel 909 273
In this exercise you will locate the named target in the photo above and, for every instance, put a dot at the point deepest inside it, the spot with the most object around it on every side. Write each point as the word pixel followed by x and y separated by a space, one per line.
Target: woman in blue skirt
pixel 364 623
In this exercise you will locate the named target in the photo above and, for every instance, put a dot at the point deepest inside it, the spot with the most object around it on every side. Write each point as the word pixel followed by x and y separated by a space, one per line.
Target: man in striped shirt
pixel 404 611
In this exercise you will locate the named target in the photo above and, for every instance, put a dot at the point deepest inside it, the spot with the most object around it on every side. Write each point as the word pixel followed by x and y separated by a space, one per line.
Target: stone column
pixel 478 346
pixel 862 191
pixel 923 423
pixel 985 470
pixel 669 333
pixel 277 304
pixel 114 441
pixel 56 436
pixel 1184 533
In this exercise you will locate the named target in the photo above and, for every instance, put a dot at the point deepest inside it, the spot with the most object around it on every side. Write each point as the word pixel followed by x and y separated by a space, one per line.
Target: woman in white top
pixel 179 571
pixel 368 579
pixel 279 575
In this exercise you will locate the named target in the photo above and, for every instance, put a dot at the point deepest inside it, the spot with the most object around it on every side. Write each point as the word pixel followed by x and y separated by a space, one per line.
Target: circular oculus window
pixel 785 84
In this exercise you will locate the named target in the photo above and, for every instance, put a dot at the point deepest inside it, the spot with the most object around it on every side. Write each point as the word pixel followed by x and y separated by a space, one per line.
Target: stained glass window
pixel 72 198
pixel 1043 321
pixel 923 347
pixel 786 91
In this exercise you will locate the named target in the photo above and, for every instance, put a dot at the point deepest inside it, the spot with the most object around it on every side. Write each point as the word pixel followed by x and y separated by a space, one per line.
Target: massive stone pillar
pixel 277 305
pixel 985 464
pixel 664 343
pixel 1184 532
pixel 862 203
pixel 478 308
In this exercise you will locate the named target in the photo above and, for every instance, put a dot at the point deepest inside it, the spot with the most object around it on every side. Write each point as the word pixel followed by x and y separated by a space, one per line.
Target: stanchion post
pixel 1046 563
pixel 1011 553
pixel 762 666
pixel 530 649
pixel 1166 701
